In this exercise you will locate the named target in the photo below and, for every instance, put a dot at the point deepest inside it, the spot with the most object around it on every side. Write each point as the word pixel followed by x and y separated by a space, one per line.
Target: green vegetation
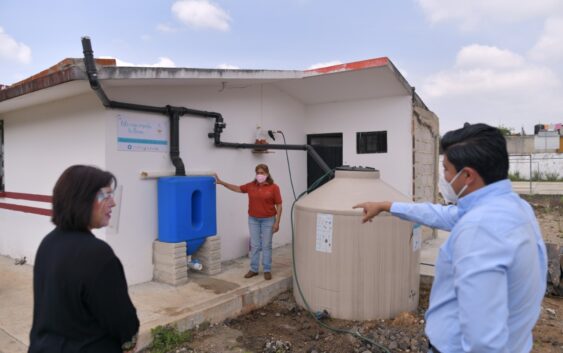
pixel 506 131
pixel 168 338
pixel 515 176
pixel 536 176
pixel 552 176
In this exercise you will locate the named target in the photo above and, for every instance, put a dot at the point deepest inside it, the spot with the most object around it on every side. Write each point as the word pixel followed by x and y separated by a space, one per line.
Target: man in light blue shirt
pixel 491 272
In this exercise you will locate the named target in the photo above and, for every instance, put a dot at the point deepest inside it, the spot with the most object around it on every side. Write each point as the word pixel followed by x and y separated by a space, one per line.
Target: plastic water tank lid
pixel 356 172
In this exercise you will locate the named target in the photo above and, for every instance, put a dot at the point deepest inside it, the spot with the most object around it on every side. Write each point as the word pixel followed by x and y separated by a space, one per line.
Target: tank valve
pixel 321 315
pixel 195 265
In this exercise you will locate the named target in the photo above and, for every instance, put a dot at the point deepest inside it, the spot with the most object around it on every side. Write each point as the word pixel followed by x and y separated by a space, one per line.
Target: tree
pixel 506 131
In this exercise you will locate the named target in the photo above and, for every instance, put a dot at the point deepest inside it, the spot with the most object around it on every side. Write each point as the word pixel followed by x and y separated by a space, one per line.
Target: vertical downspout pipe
pixel 174 114
pixel 92 73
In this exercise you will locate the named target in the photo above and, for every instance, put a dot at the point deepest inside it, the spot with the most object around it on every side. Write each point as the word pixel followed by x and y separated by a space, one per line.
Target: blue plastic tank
pixel 186 210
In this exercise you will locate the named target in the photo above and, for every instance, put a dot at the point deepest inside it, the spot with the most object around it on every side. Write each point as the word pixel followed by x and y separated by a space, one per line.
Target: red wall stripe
pixel 26 209
pixel 28 197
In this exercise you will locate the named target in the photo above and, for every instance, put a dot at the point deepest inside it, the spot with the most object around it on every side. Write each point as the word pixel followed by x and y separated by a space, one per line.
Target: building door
pixel 329 147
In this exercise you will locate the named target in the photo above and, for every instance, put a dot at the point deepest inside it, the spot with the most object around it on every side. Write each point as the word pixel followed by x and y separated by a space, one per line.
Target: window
pixel 371 142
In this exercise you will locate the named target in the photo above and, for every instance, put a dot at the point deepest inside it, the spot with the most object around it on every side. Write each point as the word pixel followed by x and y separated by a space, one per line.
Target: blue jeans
pixel 261 240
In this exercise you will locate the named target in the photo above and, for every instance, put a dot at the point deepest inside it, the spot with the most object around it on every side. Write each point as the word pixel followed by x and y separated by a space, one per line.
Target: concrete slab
pixel 203 298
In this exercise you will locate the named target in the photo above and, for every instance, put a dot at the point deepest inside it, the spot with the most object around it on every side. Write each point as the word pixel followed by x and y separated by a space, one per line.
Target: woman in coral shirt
pixel 264 214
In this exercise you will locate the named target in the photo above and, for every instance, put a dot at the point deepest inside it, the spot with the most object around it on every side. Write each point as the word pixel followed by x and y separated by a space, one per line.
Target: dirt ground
pixel 282 326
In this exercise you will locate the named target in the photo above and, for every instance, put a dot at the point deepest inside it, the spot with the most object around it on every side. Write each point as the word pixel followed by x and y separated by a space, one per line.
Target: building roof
pixel 373 78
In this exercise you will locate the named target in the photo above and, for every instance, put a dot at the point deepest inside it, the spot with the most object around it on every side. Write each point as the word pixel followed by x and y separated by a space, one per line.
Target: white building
pixel 54 119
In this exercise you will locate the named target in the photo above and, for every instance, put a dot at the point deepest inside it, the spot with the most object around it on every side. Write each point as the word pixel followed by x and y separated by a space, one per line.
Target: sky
pixel 494 61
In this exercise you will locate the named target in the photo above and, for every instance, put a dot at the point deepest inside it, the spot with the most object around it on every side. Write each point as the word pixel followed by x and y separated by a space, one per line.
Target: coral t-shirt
pixel 262 199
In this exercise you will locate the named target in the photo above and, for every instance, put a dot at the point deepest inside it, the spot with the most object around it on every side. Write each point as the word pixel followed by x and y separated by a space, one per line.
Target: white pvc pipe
pixel 165 173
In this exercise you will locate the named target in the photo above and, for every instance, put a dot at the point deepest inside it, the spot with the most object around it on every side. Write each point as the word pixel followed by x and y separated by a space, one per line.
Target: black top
pixel 81 303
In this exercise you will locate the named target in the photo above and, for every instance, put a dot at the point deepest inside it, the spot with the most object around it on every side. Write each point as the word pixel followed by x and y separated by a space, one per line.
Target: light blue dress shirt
pixel 490 273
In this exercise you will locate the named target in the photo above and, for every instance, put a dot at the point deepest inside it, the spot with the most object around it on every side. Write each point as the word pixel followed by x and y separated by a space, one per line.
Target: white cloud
pixel 494 86
pixel 162 62
pixel 324 64
pixel 490 81
pixel 201 14
pixel 471 14
pixel 164 28
pixel 228 67
pixel 550 44
pixel 480 56
pixel 12 50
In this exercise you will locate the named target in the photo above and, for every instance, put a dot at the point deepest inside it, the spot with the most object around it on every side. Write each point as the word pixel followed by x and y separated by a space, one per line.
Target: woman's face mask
pixel 260 178
pixel 447 191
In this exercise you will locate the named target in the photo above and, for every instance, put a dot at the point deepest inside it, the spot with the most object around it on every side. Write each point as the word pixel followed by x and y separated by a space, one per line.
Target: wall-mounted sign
pixel 143 134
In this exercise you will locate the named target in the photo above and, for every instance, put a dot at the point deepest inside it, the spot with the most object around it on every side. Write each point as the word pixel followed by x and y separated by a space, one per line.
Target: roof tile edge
pixel 356 65
pixel 66 70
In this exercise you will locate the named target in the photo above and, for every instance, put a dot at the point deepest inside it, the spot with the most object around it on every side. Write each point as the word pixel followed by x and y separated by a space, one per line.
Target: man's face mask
pixel 447 191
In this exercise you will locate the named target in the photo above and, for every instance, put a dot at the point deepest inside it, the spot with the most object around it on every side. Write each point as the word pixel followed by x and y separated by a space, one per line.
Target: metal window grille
pixel 371 142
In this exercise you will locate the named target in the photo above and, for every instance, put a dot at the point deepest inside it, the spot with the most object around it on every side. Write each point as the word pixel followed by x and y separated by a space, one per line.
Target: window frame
pixel 363 144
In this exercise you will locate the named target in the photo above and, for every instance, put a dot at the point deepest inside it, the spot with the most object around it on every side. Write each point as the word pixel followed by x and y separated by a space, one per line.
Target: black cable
pixel 288 165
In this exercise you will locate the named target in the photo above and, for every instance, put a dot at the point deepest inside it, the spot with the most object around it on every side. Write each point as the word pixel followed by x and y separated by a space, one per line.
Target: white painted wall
pixel 540 164
pixel 40 142
pixel 391 114
pixel 546 141
pixel 242 108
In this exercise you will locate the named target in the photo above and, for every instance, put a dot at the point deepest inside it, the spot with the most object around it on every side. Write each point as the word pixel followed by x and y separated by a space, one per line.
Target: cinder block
pixel 209 254
pixel 168 278
pixel 211 270
pixel 169 260
pixel 171 267
pixel 170 263
pixel 168 247
pixel 174 252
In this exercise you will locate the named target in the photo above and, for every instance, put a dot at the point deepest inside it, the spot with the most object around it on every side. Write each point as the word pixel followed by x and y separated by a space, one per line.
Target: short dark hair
pixel 74 195
pixel 479 146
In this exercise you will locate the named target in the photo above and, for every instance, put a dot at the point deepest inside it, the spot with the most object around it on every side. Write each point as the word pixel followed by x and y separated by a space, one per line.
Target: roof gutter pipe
pixel 174 114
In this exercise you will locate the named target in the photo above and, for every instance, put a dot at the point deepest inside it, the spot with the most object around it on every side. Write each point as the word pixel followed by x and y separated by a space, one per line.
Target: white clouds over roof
pixel 228 67
pixel 324 64
pixel 470 14
pixel 494 85
pixel 11 50
pixel 162 62
pixel 201 14
pixel 480 56
pixel 164 28
pixel 550 45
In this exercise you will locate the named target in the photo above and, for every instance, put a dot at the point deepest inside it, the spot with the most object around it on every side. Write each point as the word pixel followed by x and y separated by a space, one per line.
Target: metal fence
pixel 536 168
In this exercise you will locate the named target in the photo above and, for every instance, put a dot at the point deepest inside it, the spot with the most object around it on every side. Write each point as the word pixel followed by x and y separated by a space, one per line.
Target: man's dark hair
pixel 74 195
pixel 479 146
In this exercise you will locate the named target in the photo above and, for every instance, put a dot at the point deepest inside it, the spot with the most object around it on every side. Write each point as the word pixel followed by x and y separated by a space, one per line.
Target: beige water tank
pixel 355 271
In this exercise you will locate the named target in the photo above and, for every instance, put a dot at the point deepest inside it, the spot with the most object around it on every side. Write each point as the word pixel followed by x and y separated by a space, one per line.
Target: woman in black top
pixel 81 303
